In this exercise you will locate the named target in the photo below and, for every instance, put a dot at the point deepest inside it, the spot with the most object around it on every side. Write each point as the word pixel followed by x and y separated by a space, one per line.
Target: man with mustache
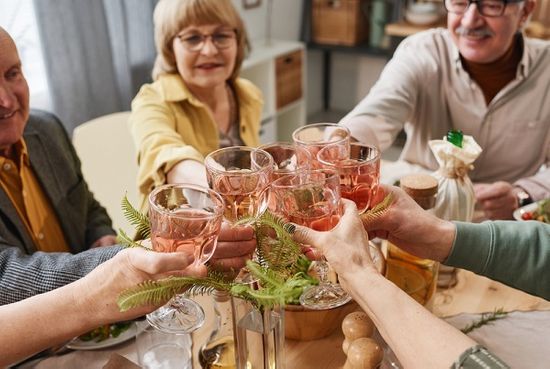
pixel 482 76
pixel 50 223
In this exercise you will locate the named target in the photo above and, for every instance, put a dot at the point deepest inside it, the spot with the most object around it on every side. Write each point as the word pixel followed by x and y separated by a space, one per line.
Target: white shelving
pixel 260 67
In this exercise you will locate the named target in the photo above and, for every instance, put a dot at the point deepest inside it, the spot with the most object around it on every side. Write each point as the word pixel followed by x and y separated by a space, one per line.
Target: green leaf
pixel 486 318
pixel 136 218
pixel 126 241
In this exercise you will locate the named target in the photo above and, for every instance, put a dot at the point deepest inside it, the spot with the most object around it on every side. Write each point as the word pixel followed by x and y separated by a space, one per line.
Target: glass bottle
pixel 219 351
pixel 455 155
pixel 416 276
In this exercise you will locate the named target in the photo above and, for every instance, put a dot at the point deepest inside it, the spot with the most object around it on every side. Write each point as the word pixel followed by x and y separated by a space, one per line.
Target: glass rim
pixel 331 164
pixel 218 210
pixel 264 168
pixel 298 173
pixel 315 125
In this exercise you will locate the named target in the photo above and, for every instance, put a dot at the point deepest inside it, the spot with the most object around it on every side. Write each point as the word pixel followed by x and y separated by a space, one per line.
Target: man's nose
pixel 7 98
pixel 472 18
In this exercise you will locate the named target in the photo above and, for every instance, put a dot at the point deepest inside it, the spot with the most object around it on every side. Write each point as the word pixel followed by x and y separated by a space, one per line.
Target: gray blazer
pixel 25 272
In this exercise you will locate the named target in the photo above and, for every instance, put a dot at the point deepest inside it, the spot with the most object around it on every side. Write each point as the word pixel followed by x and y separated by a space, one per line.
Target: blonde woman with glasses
pixel 197 103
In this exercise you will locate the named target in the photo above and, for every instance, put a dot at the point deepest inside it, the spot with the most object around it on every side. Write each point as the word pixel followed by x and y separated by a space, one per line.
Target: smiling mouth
pixel 209 66
pixel 7 115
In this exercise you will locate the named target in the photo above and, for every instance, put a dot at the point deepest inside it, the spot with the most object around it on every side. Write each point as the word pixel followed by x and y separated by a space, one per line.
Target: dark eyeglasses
pixel 488 8
pixel 195 42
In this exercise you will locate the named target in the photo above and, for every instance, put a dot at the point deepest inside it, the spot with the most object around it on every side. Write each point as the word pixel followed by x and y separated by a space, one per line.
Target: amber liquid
pixel 185 230
pixel 416 276
pixel 218 354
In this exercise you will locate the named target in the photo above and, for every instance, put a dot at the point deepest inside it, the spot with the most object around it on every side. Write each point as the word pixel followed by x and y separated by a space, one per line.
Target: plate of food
pixel 536 211
pixel 106 336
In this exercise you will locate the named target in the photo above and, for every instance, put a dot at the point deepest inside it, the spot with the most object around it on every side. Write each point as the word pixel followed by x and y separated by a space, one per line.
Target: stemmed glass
pixel 359 170
pixel 312 199
pixel 313 137
pixel 241 176
pixel 184 217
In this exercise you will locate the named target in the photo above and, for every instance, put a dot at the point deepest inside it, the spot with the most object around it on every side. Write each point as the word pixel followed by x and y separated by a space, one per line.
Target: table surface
pixel 472 294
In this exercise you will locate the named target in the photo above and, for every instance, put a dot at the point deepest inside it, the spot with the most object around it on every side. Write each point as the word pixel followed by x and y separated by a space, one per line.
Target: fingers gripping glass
pixel 488 8
pixel 195 41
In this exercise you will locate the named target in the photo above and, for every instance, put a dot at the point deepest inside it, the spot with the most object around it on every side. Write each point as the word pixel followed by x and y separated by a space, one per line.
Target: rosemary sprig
pixel 486 318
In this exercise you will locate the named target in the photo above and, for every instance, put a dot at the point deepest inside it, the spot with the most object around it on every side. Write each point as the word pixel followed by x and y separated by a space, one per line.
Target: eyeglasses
pixel 195 42
pixel 488 8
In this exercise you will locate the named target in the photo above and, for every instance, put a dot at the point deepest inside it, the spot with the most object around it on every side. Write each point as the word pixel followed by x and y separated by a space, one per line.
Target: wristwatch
pixel 523 198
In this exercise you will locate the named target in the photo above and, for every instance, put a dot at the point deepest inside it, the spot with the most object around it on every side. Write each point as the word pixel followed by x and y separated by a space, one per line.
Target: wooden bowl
pixel 304 324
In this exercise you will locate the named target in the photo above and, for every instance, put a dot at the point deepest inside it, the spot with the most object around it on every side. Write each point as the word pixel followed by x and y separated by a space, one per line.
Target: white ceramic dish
pixel 131 332
pixel 524 209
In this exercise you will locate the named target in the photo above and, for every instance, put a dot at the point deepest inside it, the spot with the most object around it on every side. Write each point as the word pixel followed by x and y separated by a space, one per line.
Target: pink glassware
pixel 359 170
pixel 241 175
pixel 313 137
pixel 184 217
pixel 312 199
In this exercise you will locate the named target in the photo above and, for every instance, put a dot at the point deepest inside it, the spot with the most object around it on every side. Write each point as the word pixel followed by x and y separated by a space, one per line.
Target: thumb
pixel 305 235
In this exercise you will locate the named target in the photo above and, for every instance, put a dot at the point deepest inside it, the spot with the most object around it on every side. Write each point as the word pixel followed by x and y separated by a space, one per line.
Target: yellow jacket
pixel 169 124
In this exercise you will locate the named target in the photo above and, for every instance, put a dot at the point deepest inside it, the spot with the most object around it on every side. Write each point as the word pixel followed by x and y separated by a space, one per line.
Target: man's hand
pixel 107 240
pixel 235 246
pixel 498 200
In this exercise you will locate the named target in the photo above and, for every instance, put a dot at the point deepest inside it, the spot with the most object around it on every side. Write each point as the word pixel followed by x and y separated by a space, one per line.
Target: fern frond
pixel 369 215
pixel 126 241
pixel 149 293
pixel 137 219
pixel 155 292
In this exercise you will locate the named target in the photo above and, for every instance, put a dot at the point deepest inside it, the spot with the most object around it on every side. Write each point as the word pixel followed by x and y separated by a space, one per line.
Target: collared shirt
pixel 169 124
pixel 19 182
pixel 426 90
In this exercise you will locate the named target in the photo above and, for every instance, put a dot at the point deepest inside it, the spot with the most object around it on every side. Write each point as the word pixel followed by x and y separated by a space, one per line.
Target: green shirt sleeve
pixel 514 253
pixel 478 357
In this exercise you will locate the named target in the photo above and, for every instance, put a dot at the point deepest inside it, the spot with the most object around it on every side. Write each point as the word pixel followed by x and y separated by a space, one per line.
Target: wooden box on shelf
pixel 288 72
pixel 340 22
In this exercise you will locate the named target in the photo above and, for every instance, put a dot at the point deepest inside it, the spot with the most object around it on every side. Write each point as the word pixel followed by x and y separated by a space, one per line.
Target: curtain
pixel 97 54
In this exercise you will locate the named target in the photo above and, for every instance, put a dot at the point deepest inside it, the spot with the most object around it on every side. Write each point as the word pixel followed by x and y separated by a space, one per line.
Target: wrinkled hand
pixel 345 247
pixel 235 246
pixel 411 228
pixel 498 200
pixel 107 240
pixel 99 290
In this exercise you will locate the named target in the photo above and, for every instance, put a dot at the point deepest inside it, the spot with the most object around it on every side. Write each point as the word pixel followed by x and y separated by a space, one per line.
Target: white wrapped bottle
pixel 455 155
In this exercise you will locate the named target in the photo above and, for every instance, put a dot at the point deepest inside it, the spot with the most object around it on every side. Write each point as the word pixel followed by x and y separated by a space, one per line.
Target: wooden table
pixel 472 294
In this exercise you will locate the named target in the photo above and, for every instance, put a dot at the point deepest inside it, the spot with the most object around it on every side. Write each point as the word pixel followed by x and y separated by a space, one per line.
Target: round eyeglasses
pixel 488 8
pixel 195 41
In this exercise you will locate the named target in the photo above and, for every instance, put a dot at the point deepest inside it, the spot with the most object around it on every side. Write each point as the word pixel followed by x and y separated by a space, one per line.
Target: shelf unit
pixel 265 67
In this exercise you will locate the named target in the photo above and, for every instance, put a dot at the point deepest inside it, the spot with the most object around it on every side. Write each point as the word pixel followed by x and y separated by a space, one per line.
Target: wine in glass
pixel 312 199
pixel 313 137
pixel 184 217
pixel 241 175
pixel 359 170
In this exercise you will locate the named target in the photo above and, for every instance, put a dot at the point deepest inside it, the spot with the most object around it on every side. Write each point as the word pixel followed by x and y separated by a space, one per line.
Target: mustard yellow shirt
pixel 169 124
pixel 20 184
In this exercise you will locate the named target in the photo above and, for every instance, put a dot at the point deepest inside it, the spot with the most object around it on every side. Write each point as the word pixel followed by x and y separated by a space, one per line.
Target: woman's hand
pixel 411 228
pixel 345 247
pixel 97 292
pixel 235 246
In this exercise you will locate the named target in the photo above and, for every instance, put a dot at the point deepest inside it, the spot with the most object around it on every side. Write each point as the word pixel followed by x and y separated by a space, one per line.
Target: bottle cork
pixel 422 188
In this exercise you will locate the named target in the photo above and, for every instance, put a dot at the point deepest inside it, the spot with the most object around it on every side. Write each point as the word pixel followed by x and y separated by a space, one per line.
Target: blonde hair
pixel 171 16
